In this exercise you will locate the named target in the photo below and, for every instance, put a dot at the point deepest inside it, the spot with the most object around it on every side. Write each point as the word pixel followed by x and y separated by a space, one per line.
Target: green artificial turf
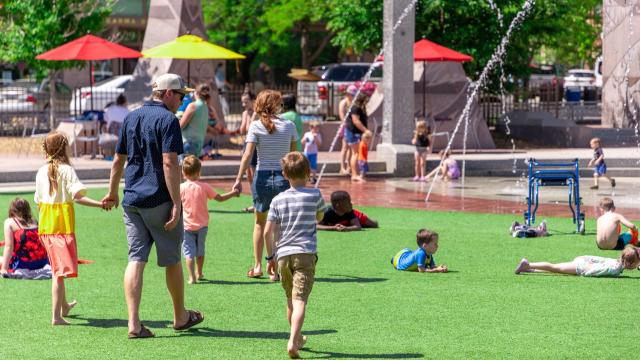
pixel 359 308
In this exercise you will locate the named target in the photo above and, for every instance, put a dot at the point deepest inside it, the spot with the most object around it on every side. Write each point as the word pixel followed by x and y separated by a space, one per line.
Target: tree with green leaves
pixel 288 32
pixel 32 27
pixel 571 27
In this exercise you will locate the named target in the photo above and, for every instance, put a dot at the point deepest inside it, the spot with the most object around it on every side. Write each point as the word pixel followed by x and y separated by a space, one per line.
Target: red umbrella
pixel 89 48
pixel 425 50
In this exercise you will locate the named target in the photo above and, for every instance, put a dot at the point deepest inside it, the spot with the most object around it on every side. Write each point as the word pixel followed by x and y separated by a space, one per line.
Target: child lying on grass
pixel 608 228
pixel 420 260
pixel 592 266
pixel 524 231
pixel 343 217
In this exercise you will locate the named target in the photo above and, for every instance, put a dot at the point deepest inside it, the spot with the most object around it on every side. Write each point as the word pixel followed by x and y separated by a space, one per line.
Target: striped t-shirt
pixel 294 210
pixel 272 147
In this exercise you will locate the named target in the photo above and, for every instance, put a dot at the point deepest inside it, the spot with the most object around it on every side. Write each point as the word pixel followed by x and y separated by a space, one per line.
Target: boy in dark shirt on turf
pixel 343 217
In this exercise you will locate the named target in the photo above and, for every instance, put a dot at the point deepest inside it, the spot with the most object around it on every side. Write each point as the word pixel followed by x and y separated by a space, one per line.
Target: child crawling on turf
pixel 420 260
pixel 343 217
pixel 608 235
pixel 593 266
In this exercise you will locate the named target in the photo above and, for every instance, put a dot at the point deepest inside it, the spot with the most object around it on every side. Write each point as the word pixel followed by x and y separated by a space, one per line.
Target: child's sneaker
pixel 613 182
pixel 416 178
pixel 523 266
pixel 543 226
pixel 423 179
pixel 513 226
pixel 594 187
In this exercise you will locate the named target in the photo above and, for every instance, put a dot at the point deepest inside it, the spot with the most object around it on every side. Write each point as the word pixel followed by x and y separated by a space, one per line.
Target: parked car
pixel 545 76
pixel 323 97
pixel 103 93
pixel 580 78
pixel 597 68
pixel 27 95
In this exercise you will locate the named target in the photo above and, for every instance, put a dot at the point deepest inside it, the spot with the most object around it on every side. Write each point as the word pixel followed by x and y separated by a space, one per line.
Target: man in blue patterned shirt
pixel 150 142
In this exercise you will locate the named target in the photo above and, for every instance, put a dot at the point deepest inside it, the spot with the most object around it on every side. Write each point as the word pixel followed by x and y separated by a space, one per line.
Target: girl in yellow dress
pixel 57 188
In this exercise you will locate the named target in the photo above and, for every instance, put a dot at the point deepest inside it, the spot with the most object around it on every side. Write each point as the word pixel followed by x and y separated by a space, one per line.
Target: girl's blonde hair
pixel 444 154
pixel 629 256
pixel 268 105
pixel 422 128
pixel 55 147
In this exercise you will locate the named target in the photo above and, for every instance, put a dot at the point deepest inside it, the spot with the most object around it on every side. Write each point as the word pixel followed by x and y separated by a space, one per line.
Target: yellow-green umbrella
pixel 190 47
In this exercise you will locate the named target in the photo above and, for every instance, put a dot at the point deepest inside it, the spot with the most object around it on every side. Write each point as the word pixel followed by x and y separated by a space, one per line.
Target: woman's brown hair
pixel 268 105
pixel 19 209
pixel 203 91
pixel 361 101
pixel 55 147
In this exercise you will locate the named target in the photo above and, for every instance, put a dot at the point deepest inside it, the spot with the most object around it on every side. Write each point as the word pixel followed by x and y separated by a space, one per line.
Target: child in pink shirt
pixel 195 195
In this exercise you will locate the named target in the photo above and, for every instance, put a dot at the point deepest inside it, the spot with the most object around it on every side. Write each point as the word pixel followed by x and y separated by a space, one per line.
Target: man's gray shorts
pixel 145 226
pixel 193 243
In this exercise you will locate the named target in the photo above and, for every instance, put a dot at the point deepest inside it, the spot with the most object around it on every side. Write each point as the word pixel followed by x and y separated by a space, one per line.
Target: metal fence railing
pixel 585 107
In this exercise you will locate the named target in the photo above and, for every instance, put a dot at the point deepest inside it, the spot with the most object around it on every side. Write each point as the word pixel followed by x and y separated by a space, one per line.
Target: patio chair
pixel 86 131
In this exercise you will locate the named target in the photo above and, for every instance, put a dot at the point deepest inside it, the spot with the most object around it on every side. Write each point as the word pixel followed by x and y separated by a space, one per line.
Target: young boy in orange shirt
pixel 363 154
pixel 195 195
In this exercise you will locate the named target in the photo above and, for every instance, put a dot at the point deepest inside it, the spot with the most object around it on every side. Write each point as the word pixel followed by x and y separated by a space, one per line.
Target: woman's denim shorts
pixel 351 138
pixel 266 185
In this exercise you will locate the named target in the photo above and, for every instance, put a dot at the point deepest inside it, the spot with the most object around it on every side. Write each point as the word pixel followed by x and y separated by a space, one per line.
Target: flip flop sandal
pixel 142 334
pixel 254 275
pixel 195 318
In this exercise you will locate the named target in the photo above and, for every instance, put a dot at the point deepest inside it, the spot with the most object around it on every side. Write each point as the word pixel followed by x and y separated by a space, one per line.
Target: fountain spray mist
pixel 364 80
pixel 496 58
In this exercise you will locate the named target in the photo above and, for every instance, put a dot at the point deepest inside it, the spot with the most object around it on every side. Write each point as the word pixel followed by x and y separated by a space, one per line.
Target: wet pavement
pixel 482 195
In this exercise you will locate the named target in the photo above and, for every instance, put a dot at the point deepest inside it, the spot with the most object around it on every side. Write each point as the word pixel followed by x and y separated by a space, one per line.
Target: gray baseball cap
pixel 171 82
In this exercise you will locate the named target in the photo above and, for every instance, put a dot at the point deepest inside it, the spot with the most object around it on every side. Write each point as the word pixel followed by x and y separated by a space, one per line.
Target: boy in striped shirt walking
pixel 291 231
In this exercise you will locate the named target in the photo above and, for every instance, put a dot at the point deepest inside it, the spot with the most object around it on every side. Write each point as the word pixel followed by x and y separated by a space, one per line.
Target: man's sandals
pixel 142 334
pixel 195 318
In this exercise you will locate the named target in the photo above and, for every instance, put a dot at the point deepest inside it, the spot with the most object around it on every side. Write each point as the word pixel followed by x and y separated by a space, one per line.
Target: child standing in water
pixel 57 188
pixel 363 154
pixel 600 168
pixel 422 141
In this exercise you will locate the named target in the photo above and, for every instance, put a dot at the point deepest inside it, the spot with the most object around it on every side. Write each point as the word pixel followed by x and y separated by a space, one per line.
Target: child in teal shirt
pixel 420 260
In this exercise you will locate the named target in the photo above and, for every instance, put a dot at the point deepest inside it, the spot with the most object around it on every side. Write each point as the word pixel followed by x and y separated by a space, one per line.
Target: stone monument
pixel 167 20
pixel 621 68
pixel 398 108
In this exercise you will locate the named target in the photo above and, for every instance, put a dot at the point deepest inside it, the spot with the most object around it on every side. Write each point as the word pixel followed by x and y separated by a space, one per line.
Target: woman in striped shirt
pixel 274 137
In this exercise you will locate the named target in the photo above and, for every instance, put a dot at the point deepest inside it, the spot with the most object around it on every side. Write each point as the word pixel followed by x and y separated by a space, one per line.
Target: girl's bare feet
pixel 192 281
pixel 60 321
pixel 199 277
pixel 67 309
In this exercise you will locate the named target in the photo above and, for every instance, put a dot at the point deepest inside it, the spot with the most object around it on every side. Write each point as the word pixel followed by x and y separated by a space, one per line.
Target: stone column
pixel 167 20
pixel 620 43
pixel 398 111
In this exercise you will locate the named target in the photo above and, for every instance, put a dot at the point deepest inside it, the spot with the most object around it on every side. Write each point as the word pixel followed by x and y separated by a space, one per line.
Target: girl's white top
pixel 68 185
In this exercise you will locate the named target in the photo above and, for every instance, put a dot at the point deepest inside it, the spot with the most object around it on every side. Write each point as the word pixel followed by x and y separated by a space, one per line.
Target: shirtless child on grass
pixel 609 226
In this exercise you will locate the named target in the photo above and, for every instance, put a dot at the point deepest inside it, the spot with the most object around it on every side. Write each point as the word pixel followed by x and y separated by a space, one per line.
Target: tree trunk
pixel 304 44
pixel 52 98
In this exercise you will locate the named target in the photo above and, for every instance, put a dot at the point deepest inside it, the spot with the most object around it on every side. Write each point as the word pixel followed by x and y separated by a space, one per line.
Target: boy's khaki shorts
pixel 297 274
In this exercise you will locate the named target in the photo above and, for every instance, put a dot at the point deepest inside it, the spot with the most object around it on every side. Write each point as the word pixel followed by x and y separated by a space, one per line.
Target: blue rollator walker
pixel 554 174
